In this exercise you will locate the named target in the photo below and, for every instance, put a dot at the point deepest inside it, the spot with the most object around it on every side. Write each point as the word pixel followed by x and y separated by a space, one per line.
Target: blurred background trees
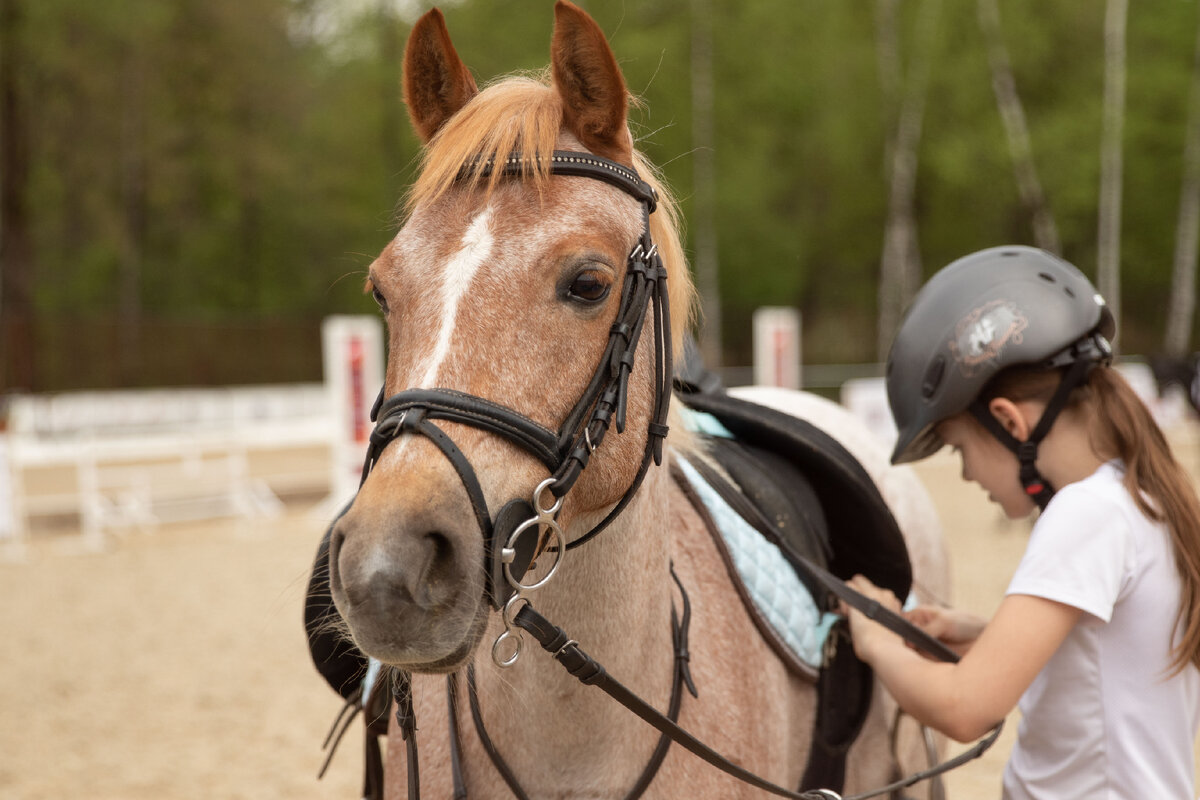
pixel 187 188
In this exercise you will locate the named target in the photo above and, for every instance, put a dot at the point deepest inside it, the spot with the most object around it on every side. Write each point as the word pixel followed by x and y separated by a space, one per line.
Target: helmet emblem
pixel 981 335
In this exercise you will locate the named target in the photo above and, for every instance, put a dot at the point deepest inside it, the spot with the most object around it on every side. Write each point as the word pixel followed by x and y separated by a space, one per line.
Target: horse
pixel 504 289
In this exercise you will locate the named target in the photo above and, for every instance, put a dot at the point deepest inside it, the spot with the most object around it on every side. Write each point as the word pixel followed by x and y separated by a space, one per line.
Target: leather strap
pixel 682 677
pixel 590 672
pixel 406 721
pixel 814 573
pixel 414 419
pixel 570 163
pixel 884 616
pixel 455 406
pixel 456 768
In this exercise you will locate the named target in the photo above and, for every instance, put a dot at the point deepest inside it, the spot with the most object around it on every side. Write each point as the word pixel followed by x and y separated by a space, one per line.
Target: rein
pixel 590 672
pixel 509 552
pixel 681 677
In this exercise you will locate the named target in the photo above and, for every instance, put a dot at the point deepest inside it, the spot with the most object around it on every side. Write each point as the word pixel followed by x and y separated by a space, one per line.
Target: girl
pixel 1004 356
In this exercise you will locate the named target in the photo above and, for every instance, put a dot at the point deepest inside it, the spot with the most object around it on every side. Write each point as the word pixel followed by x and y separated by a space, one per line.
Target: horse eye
pixel 589 286
pixel 380 300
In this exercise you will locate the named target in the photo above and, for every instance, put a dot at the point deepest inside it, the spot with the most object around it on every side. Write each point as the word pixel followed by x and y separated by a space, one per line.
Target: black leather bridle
pixel 509 551
pixel 566 453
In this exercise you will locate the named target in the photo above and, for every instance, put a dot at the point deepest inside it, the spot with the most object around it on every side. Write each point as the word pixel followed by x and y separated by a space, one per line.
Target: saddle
pixel 806 494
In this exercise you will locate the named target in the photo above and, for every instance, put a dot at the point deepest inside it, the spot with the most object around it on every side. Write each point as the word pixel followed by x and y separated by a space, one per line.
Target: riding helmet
pixel 985 312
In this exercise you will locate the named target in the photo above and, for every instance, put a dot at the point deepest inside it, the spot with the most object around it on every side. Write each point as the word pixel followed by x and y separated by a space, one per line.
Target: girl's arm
pixel 966 699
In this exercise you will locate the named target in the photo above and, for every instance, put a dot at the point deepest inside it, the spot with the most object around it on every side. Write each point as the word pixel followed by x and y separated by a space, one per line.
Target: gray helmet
pixel 987 311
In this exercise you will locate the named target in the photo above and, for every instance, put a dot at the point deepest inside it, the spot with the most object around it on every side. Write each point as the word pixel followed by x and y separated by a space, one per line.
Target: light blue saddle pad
pixel 782 599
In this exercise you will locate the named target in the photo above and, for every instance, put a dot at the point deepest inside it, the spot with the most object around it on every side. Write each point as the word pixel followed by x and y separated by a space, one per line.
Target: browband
pixel 571 164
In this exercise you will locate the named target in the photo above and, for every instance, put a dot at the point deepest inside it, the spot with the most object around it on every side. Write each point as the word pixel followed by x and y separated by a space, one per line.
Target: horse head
pixel 502 289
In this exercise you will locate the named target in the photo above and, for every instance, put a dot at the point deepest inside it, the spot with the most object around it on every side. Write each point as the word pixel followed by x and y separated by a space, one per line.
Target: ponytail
pixel 1122 426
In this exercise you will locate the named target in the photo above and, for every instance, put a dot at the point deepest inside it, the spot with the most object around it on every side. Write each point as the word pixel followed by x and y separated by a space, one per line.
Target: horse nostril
pixel 436 576
pixel 336 538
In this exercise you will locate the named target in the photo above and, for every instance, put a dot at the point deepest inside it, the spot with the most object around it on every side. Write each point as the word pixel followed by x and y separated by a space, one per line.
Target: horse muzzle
pixel 408 582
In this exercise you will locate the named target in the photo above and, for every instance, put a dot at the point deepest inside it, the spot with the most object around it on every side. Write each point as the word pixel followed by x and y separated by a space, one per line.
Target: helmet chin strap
pixel 1036 486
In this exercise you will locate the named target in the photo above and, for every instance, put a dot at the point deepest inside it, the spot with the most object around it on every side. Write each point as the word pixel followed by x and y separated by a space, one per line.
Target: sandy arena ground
pixel 173 664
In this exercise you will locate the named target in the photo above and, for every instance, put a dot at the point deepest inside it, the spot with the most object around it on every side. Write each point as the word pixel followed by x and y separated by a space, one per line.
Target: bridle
pixel 523 529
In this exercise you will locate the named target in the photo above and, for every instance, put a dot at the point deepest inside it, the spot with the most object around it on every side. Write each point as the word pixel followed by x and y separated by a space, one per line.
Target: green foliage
pixel 245 159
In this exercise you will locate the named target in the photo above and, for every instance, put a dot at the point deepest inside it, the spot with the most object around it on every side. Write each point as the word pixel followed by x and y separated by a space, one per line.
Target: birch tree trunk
pixel 900 263
pixel 1108 250
pixel 1181 306
pixel 704 184
pixel 1045 232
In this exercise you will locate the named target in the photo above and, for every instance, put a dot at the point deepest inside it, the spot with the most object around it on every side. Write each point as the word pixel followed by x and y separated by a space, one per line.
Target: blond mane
pixel 524 114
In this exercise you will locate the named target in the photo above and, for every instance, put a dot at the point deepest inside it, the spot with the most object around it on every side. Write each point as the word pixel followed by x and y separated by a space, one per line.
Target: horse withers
pixel 519 460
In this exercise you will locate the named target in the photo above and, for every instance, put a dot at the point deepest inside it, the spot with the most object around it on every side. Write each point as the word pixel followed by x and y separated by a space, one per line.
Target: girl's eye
pixel 380 300
pixel 589 286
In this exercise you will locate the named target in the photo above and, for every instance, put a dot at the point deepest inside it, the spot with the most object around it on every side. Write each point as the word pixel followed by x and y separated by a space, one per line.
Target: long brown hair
pixel 1120 426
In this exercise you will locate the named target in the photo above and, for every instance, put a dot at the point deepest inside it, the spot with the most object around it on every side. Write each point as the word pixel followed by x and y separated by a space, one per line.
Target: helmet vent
pixel 1067 289
pixel 933 377
pixel 1046 276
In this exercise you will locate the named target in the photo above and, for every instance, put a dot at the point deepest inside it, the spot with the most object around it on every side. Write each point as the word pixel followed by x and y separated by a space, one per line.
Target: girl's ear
pixel 1011 417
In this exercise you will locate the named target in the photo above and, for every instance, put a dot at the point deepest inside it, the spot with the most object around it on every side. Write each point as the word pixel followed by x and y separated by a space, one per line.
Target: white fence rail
pixel 136 458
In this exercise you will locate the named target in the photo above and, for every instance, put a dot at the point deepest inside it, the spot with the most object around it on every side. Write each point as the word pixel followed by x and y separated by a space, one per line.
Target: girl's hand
pixel 965 699
pixel 868 636
pixel 958 630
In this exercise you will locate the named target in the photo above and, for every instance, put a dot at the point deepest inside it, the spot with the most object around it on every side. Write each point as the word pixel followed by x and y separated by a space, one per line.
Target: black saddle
pixel 820 501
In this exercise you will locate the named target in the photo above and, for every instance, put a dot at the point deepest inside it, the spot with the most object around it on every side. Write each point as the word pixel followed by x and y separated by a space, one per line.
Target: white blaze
pixel 456 280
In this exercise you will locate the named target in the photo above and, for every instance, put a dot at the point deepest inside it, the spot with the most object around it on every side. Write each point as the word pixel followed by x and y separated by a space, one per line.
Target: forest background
pixel 188 187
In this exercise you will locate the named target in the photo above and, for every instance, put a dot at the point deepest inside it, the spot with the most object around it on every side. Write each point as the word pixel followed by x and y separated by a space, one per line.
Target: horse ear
pixel 436 81
pixel 586 75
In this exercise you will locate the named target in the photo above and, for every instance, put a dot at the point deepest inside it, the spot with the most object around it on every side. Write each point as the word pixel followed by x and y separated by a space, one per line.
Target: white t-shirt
pixel 1103 719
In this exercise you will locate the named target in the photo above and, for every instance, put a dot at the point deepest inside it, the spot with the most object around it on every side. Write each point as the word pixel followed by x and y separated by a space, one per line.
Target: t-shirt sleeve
pixel 1080 553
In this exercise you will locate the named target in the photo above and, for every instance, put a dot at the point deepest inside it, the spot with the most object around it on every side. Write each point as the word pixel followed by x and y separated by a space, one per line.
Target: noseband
pixel 509 547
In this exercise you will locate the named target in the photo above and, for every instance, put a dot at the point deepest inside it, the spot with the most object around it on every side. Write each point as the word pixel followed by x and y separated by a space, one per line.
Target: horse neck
pixel 616 589
pixel 614 596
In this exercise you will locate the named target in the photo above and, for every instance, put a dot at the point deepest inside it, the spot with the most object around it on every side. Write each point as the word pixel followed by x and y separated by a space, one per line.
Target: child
pixel 1004 356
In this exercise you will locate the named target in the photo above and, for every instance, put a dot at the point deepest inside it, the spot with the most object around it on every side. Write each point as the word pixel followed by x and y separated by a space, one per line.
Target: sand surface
pixel 173 663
